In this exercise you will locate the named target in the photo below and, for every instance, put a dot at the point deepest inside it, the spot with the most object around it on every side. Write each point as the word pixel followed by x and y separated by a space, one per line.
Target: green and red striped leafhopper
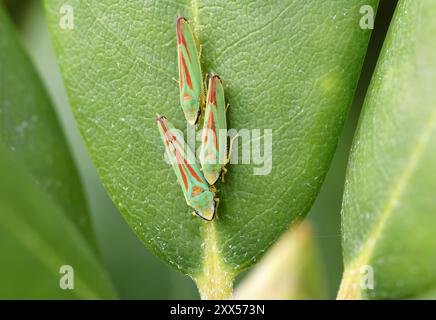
pixel 194 185
pixel 213 149
pixel 190 77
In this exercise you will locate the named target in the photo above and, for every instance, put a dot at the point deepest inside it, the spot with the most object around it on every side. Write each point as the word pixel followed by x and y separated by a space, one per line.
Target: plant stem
pixel 215 282
pixel 350 286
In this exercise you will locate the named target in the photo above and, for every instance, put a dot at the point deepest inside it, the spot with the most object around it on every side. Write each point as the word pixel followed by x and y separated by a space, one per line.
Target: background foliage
pixel 389 191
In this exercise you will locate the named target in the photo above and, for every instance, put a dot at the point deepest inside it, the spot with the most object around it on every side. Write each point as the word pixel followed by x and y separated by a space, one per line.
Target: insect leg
pixel 223 168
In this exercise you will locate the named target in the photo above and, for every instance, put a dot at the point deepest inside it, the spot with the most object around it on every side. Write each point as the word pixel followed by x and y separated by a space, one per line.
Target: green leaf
pixel 289 66
pixel 36 239
pixel 389 219
pixel 30 128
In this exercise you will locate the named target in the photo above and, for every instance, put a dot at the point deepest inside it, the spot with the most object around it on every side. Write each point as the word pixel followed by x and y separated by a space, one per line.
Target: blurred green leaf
pixel 389 206
pixel 291 269
pixel 36 239
pixel 30 128
pixel 289 66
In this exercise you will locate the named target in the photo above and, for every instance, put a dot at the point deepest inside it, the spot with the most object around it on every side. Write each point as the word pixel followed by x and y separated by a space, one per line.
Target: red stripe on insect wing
pixel 206 136
pixel 186 47
pixel 184 44
pixel 210 100
pixel 171 138
pixel 209 91
pixel 194 174
pixel 181 40
pixel 181 165
pixel 180 72
pixel 186 71
pixel 190 169
pixel 212 96
pixel 179 31
pixel 163 125
pixel 165 131
pixel 181 146
pixel 167 143
pixel 183 159
pixel 212 128
pixel 182 172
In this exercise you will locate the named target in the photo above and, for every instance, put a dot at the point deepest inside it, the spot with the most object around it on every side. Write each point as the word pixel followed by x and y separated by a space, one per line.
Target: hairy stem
pixel 350 288
pixel 215 282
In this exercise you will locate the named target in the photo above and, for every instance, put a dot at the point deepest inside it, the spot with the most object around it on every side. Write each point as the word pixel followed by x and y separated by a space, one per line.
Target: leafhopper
pixel 190 77
pixel 194 185
pixel 213 149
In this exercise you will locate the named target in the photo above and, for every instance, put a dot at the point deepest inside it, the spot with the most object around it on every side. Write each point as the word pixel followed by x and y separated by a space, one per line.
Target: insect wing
pixel 213 148
pixel 189 176
pixel 190 78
